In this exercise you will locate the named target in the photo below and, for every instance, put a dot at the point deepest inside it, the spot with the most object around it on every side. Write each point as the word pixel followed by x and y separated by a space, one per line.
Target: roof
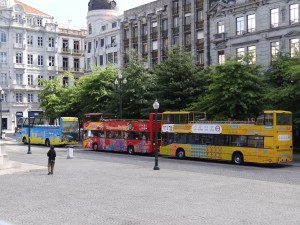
pixel 31 10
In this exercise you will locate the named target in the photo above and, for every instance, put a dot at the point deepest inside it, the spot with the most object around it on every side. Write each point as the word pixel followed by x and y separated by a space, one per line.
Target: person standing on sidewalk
pixel 51 159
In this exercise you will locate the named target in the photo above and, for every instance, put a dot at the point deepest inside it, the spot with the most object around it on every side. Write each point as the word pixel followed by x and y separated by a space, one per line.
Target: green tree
pixel 138 92
pixel 178 81
pixel 234 91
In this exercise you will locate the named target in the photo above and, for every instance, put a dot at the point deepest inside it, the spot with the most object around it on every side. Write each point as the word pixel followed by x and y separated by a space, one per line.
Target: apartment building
pixel 31 48
pixel 103 38
pixel 153 28
pixel 262 28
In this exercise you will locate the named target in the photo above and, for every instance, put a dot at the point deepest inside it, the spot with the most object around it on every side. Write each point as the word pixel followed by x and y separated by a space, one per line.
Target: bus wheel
pixel 95 147
pixel 47 143
pixel 24 140
pixel 180 153
pixel 130 150
pixel 237 158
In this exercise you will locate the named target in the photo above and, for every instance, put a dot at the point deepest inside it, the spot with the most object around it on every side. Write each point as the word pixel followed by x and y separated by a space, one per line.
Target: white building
pixel 103 38
pixel 32 47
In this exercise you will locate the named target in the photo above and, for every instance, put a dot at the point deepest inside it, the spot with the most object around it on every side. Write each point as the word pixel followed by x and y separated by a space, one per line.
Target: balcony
pixel 188 47
pixel 19 65
pixel 77 70
pixel 200 25
pixel 187 8
pixel 112 45
pixel 145 38
pixel 51 49
pixel 145 55
pixel 19 46
pixel 154 35
pixel 175 30
pixel 126 42
pixel 220 37
pixel 199 4
pixel 64 68
pixel 77 52
pixel 65 50
pixel 200 45
pixel 134 40
pixel 164 33
pixel 175 11
pixel 187 27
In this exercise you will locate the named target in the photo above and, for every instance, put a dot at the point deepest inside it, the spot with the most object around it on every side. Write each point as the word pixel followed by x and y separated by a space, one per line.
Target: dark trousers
pixel 51 166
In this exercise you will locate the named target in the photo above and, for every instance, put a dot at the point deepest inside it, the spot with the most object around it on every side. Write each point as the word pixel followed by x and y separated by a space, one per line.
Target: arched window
pixel 2 36
pixel 90 29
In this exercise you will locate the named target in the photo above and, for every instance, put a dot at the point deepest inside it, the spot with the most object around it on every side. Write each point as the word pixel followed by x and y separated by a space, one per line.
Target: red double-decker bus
pixel 102 132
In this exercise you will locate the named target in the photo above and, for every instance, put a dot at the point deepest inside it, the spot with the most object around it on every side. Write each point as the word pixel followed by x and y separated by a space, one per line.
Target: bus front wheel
pixel 180 153
pixel 237 158
pixel 95 147
pixel 47 143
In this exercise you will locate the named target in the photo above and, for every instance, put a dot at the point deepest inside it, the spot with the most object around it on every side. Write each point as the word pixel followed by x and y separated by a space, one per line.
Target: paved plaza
pixel 88 191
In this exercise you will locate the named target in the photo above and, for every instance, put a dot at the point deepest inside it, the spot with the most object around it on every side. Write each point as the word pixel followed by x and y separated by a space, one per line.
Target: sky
pixel 75 10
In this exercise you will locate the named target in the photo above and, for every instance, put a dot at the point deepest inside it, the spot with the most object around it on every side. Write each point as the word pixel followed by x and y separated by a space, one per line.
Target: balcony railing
pixel 175 11
pixel 144 37
pixel 77 52
pixel 134 40
pixel 199 4
pixel 65 50
pixel 220 36
pixel 154 35
pixel 126 42
pixel 19 46
pixel 164 33
pixel 187 7
pixel 199 24
pixel 200 45
pixel 175 30
pixel 187 27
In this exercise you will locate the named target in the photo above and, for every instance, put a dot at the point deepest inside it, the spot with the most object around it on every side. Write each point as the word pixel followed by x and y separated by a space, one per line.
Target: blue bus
pixel 62 131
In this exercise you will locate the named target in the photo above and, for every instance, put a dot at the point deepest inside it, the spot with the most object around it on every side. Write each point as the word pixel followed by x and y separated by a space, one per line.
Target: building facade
pixel 30 50
pixel 153 28
pixel 262 28
pixel 103 37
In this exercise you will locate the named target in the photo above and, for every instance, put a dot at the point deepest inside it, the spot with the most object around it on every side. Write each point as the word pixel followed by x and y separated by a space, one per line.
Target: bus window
pixel 283 119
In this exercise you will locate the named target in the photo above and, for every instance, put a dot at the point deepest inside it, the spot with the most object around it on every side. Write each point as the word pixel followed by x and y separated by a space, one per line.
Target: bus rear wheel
pixel 95 147
pixel 130 150
pixel 180 153
pixel 47 142
pixel 237 158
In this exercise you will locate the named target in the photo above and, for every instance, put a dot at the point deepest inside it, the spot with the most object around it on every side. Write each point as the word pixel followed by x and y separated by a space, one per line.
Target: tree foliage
pixel 179 81
pixel 234 91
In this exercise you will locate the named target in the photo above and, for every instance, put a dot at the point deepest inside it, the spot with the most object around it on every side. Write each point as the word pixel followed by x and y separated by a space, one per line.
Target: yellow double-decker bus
pixel 266 140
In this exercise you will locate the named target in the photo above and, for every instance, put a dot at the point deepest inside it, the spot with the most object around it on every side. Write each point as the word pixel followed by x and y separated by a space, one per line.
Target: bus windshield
pixel 283 119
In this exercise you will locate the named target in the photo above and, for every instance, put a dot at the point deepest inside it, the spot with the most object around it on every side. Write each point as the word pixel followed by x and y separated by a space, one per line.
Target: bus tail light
pixel 277 147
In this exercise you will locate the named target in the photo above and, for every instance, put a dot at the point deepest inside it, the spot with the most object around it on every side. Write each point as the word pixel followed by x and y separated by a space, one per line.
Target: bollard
pixel 70 152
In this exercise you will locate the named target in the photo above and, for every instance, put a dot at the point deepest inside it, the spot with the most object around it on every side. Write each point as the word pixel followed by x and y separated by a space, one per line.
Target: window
pixel 3 78
pixel 40 60
pixel 19 79
pixel 29 59
pixel 240 53
pixel 51 42
pixel 103 28
pixel 274 50
pixel 40 41
pixel 294 47
pixel 274 18
pixel 252 54
pixel 126 34
pixel 19 97
pixel 89 47
pixel 65 81
pixel 30 40
pixel 200 58
pixel 40 77
pixel 165 43
pixel 187 19
pixel 39 22
pixel 294 13
pixel 3 57
pixel 114 25
pixel 251 23
pixel 101 60
pixel 51 61
pixel 51 77
pixel 113 41
pixel 90 29
pixel 164 24
pixel 76 64
pixel 154 45
pixel 76 46
pixel 30 79
pixel 30 97
pixel 240 26
pixel 115 57
pixel 200 35
pixel 154 27
pixel 175 41
pixel 65 64
pixel 199 15
pixel 65 45
pixel 19 18
pixel 187 39
pixel 101 42
pixel 29 21
pixel 19 38
pixel 145 29
pixel 19 57
pixel 221 27
pixel 134 32
pixel 175 21
pixel 2 36
pixel 88 64
pixel 221 57
pixel 145 48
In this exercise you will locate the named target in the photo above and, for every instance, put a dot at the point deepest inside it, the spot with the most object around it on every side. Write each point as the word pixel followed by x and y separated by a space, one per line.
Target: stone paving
pixel 85 191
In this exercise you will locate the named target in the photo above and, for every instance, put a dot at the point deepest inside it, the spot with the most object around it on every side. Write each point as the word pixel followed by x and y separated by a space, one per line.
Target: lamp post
pixel 29 133
pixel 156 106
pixel 120 85
pixel 1 99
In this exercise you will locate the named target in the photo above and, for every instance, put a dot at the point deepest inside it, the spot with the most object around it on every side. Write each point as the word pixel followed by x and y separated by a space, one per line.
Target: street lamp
pixel 120 86
pixel 156 106
pixel 29 135
pixel 1 99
